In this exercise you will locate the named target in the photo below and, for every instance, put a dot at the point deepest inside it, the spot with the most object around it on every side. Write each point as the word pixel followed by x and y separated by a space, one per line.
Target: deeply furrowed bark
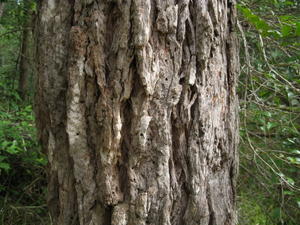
pixel 136 109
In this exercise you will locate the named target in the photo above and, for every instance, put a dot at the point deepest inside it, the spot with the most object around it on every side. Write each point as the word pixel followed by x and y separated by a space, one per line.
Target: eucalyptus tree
pixel 137 111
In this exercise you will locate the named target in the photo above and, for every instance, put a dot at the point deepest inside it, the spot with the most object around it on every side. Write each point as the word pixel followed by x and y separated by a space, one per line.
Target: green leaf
pixel 13 149
pixel 271 125
pixel 2 158
pixel 286 30
pixel 4 166
pixel 296 152
pixel 286 18
pixel 294 160
pixel 4 144
pixel 288 193
pixel 276 213
pixel 290 181
pixel 297 31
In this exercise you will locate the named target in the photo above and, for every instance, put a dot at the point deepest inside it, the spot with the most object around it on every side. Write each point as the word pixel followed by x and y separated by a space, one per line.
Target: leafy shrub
pixel 22 178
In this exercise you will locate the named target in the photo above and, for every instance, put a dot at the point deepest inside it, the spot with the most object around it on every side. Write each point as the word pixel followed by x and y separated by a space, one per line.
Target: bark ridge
pixel 137 111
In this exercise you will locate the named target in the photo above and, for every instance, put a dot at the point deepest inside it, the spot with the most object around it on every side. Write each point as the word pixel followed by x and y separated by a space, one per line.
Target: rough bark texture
pixel 137 111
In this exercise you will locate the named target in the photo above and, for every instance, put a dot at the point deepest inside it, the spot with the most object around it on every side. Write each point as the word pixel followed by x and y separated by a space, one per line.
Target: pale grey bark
pixel 137 111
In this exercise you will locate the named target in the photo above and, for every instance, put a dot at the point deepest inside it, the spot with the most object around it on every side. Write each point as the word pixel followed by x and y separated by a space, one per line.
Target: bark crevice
pixel 139 121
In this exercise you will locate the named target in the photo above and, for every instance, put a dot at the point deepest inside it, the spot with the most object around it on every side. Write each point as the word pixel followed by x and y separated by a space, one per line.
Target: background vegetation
pixel 22 174
pixel 269 90
pixel 270 109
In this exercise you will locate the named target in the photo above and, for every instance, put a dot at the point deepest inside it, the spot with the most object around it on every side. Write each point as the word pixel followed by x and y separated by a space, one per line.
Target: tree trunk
pixel 137 111
pixel 1 8
pixel 1 13
pixel 25 67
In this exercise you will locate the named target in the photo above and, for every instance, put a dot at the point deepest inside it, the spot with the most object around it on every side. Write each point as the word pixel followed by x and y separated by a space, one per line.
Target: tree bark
pixel 1 12
pixel 1 8
pixel 25 64
pixel 26 67
pixel 137 111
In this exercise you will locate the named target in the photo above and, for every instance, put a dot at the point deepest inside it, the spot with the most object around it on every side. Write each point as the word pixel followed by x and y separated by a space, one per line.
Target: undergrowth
pixel 22 173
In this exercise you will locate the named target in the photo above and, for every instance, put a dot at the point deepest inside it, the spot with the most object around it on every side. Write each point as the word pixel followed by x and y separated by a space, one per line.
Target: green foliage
pixel 270 106
pixel 10 36
pixel 17 139
pixel 22 173
pixel 22 183
pixel 251 211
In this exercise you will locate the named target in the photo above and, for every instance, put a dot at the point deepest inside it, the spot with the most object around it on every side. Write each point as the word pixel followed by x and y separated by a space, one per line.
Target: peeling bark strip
pixel 137 111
